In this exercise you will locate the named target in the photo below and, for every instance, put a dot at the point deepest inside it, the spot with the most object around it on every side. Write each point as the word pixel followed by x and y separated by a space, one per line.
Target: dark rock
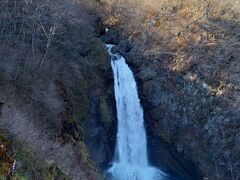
pixel 164 156
pixel 111 37
pixel 99 27
pixel 122 48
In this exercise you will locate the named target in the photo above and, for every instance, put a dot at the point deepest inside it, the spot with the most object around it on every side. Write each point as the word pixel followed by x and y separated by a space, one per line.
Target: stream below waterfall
pixel 131 160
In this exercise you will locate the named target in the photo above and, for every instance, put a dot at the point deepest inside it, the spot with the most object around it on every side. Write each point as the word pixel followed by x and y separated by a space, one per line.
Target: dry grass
pixel 204 34
pixel 203 41
pixel 203 37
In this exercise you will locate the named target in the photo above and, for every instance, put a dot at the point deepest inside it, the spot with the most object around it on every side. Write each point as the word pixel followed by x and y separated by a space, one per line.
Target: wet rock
pixel 122 48
pixel 111 37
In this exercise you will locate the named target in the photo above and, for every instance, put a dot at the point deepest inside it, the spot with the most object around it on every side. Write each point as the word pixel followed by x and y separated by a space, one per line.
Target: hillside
pixel 47 92
pixel 57 108
pixel 186 57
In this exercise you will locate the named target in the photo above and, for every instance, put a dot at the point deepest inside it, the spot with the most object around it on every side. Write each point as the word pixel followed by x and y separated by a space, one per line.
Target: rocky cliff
pixel 57 110
pixel 185 58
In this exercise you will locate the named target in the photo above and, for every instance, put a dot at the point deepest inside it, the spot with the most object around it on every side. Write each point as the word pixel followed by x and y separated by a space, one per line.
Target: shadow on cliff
pixel 190 104
pixel 162 153
pixel 55 87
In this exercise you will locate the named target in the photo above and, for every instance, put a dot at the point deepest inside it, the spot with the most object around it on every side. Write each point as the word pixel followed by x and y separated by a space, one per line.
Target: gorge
pixel 61 118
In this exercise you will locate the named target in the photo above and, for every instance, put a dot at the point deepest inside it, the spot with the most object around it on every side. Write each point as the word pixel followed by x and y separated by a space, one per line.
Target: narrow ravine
pixel 131 161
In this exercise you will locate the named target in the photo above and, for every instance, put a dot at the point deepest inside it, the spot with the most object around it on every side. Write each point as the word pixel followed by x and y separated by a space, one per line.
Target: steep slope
pixel 55 88
pixel 185 55
pixel 56 85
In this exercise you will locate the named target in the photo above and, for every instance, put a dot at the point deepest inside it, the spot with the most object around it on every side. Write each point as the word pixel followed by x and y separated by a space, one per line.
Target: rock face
pixel 187 68
pixel 191 132
pixel 153 84
pixel 57 100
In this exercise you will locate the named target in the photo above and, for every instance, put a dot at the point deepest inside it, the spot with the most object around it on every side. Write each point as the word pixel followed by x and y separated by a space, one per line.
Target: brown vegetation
pixel 6 161
pixel 201 42
pixel 47 49
pixel 203 34
pixel 51 72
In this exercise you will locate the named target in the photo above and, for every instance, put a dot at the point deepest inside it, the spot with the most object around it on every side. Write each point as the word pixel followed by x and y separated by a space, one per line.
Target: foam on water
pixel 131 162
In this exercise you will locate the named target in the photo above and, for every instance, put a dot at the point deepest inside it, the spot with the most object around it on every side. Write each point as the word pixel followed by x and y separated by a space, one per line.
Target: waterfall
pixel 131 162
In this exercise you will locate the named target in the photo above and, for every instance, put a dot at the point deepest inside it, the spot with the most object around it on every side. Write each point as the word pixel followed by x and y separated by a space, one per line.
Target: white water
pixel 131 162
